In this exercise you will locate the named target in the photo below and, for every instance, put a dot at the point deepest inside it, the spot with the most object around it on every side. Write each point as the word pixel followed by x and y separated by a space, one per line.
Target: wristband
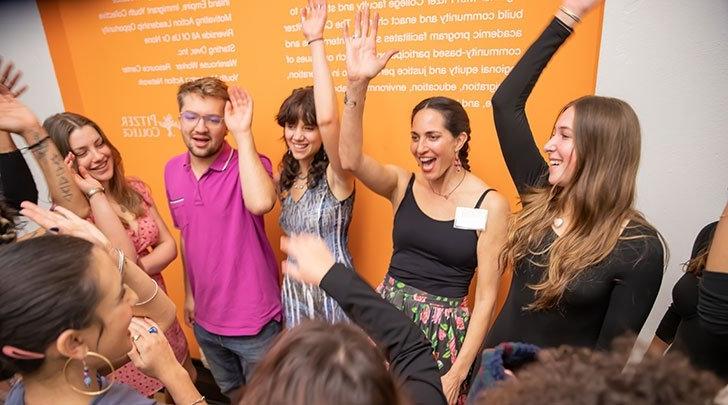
pixel 93 191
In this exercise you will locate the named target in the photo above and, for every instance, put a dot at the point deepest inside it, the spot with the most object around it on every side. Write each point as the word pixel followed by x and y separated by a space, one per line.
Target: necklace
pixel 447 195
pixel 297 182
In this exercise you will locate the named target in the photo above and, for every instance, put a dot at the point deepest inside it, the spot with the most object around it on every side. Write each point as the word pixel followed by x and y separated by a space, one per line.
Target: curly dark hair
pixel 299 106
pixel 456 121
pixel 8 231
pixel 571 376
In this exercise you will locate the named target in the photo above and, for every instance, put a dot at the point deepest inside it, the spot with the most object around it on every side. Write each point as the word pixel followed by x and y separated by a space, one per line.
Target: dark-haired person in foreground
pixel 575 376
pixel 348 368
pixel 76 310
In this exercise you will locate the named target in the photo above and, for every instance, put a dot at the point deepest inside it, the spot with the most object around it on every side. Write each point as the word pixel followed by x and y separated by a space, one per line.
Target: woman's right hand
pixel 151 352
pixel 362 61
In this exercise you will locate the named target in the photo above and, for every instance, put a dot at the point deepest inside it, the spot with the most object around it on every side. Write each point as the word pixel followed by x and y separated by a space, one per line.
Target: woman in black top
pixel 587 266
pixel 435 255
pixel 682 328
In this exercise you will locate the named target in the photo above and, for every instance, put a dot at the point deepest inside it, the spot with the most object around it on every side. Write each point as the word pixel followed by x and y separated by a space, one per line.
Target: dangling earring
pixel 87 376
pixel 288 152
pixel 457 163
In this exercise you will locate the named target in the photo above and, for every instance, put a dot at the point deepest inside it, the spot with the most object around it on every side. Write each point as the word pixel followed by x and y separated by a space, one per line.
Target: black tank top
pixel 432 255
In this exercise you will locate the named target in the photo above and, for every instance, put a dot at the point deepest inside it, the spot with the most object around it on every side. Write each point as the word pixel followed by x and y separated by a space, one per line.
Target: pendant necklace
pixel 447 195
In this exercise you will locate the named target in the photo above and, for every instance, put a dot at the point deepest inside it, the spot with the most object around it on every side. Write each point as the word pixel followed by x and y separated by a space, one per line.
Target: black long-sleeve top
pixel 603 301
pixel 16 181
pixel 691 331
pixel 409 353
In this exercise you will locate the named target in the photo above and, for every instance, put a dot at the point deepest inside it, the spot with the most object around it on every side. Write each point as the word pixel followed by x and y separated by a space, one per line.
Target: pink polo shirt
pixel 230 264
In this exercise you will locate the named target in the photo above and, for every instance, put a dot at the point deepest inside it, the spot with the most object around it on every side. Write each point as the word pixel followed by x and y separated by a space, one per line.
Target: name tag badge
pixel 470 218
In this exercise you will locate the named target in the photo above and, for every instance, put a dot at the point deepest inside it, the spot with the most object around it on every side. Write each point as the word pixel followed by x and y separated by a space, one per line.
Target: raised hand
pixel 238 111
pixel 310 258
pixel 8 80
pixel 580 7
pixel 65 222
pixel 15 116
pixel 362 61
pixel 313 19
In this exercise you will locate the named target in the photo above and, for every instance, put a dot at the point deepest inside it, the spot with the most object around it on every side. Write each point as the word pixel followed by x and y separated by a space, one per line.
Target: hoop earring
pixel 87 377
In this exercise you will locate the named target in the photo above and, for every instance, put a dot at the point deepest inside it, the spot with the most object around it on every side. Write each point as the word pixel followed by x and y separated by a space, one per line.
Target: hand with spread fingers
pixel 15 116
pixel 8 80
pixel 362 61
pixel 239 112
pixel 313 20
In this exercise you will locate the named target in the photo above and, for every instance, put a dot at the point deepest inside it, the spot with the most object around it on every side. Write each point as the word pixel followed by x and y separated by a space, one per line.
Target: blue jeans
pixel 233 358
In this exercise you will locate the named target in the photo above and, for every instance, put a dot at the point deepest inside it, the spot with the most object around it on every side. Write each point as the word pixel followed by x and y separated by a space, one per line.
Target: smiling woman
pixel 586 264
pixel 317 195
pixel 124 210
pixel 436 252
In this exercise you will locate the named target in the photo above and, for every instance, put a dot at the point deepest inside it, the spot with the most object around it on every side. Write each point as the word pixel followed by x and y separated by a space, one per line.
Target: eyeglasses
pixel 192 119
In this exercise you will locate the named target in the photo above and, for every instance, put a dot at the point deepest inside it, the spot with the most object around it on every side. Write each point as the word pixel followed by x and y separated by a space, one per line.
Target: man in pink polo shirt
pixel 217 196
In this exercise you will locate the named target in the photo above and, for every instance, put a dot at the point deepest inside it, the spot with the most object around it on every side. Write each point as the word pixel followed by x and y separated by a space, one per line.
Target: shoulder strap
pixel 482 197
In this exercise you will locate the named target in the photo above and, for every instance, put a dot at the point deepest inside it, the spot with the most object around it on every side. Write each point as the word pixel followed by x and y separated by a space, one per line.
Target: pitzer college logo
pixel 147 126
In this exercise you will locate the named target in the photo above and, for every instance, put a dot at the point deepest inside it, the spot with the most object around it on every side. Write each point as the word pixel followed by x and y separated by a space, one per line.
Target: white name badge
pixel 470 218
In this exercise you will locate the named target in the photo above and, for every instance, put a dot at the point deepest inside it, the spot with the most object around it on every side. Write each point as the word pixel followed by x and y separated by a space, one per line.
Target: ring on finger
pixel 153 329
pixel 135 338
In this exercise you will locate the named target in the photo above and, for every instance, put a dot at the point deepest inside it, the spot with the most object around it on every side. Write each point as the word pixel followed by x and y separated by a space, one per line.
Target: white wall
pixel 669 60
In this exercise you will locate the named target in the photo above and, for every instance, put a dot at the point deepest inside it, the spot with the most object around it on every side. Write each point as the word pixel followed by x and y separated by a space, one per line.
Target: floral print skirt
pixel 443 320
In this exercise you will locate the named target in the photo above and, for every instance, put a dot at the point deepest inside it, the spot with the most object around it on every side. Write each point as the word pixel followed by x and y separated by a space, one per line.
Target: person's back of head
pixel 319 363
pixel 575 376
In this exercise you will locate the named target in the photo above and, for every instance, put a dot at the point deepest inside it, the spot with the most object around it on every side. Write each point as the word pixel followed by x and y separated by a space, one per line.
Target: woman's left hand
pixel 451 386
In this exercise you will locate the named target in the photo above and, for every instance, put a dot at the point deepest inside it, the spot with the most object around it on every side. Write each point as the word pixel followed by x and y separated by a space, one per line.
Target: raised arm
pixel 362 65
pixel 403 343
pixel 15 117
pixel 713 295
pixel 313 21
pixel 258 190
pixel 519 149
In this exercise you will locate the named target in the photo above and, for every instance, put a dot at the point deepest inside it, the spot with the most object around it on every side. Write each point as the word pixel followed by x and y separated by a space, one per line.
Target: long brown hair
pixel 323 364
pixel 60 126
pixel 599 199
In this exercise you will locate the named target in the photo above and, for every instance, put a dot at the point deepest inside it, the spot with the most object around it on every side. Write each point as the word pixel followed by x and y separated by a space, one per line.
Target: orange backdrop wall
pixel 120 62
